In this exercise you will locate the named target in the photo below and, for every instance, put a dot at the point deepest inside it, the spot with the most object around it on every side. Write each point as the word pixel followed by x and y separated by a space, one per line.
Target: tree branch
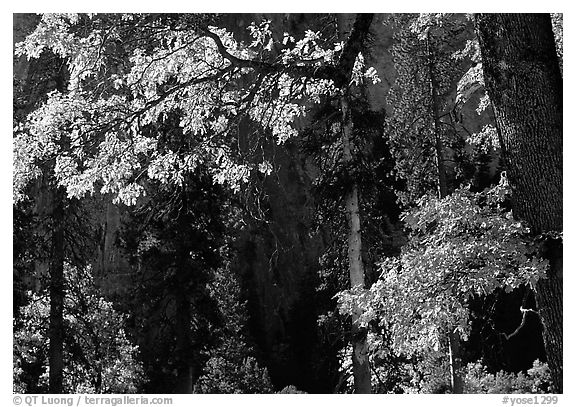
pixel 352 47
pixel 340 74
pixel 260 66
pixel 524 312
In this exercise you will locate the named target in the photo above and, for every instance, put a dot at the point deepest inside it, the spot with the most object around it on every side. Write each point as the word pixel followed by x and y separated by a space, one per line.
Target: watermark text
pixel 90 400
pixel 530 400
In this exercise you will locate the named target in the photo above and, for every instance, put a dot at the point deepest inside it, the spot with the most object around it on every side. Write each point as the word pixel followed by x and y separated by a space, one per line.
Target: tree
pixel 129 72
pixel 367 167
pixel 524 84
pixel 232 366
pixel 425 137
pixel 424 133
pixel 52 210
pixel 98 355
pixel 461 247
pixel 184 299
pixel 360 360
pixel 152 111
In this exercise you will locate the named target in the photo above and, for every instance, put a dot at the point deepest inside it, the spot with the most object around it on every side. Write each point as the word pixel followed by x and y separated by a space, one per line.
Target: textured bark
pixel 455 363
pixel 360 362
pixel 56 323
pixel 524 83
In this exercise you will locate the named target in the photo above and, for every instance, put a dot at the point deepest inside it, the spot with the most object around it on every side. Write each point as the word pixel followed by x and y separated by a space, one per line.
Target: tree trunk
pixel 455 363
pixel 98 367
pixel 524 83
pixel 56 323
pixel 353 46
pixel 360 362
pixel 438 143
pixel 185 382
pixel 453 337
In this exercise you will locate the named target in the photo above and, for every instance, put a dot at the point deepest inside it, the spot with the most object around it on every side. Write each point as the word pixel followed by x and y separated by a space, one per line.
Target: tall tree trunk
pixel 524 83
pixel 56 323
pixel 456 379
pixel 453 337
pixel 438 143
pixel 360 361
pixel 98 367
pixel 185 382
pixel 342 75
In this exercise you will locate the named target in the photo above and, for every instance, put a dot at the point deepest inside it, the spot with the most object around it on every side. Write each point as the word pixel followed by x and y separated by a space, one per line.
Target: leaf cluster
pixel 99 356
pixel 460 247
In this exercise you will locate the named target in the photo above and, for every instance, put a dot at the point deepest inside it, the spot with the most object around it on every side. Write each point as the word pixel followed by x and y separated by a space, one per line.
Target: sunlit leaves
pixel 55 33
pixel 470 83
pixel 360 73
pixel 52 33
pixel 59 119
pixel 558 28
pixel 479 380
pixel 261 34
pixel 308 50
pixel 485 140
pixel 461 246
pixel 95 134
pixel 98 357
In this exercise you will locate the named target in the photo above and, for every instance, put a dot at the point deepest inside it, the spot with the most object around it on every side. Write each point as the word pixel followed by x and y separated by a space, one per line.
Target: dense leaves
pixel 461 246
pixel 99 357
pixel 96 131
pixel 232 366
pixel 190 130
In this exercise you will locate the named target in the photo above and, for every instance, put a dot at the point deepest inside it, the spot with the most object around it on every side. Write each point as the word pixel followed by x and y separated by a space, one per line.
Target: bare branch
pixel 524 312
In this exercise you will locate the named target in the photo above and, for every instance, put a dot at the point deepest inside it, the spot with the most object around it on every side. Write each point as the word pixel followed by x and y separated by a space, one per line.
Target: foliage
pixel 462 246
pixel 558 28
pixel 187 299
pixel 228 377
pixel 231 367
pixel 99 357
pixel 410 125
pixel 424 63
pixel 153 110
pixel 177 242
pixel 535 380
pixel 428 373
pixel 124 79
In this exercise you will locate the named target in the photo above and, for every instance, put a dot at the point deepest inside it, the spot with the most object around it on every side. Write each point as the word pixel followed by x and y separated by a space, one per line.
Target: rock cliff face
pixel 278 263
pixel 111 266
